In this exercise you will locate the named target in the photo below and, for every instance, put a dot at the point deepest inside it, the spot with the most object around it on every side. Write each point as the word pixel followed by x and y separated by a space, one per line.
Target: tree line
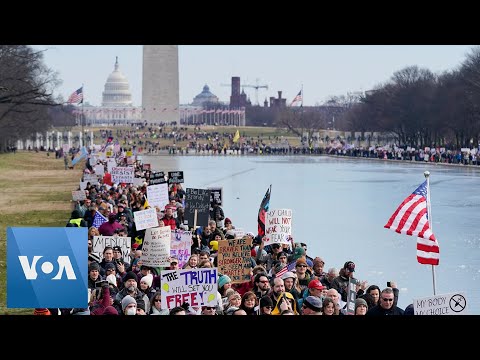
pixel 417 107
pixel 27 104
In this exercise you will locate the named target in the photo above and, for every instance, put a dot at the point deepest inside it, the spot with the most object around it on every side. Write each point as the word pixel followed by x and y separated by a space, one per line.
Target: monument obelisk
pixel 160 90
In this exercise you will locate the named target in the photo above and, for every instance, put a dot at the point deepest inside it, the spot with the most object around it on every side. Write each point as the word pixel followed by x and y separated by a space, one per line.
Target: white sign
pixel 122 175
pixel 446 304
pixel 78 195
pixel 239 233
pixel 110 164
pixel 278 226
pixel 99 169
pixel 91 178
pixel 138 182
pixel 157 195
pixel 180 246
pixel 156 247
pixel 83 185
pixel 100 242
pixel 197 287
pixel 146 219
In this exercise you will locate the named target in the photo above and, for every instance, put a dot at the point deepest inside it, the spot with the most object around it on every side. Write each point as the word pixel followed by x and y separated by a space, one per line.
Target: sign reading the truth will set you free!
pixel 47 267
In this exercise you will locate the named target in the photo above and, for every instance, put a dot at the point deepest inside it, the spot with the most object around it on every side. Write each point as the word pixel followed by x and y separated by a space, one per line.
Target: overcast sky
pixel 323 70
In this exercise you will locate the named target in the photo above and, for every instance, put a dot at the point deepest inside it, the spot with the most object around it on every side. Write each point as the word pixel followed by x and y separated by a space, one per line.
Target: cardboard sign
pixel 234 259
pixel 278 226
pixel 199 200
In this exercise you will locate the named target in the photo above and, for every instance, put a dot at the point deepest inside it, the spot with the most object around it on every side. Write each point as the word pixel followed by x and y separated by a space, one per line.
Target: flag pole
pixel 429 212
pixel 83 120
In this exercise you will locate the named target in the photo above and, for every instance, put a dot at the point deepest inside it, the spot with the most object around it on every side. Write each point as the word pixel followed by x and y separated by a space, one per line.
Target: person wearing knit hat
pixel 266 305
pixel 146 284
pixel 227 221
pixel 93 274
pixel 222 281
pixel 141 307
pixel 360 307
pixel 110 310
pixel 300 261
pixel 318 265
pixel 112 280
pixel 129 303
pixel 147 279
pixel 312 305
pixel 130 276
pixel 298 252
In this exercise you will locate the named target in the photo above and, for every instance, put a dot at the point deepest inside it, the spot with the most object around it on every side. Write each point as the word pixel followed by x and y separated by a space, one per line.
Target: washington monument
pixel 160 93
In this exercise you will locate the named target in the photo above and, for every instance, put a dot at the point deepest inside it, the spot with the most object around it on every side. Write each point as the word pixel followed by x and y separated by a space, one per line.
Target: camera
pixel 389 284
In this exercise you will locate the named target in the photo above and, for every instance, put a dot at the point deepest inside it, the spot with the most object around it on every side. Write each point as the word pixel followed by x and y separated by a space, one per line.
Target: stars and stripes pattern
pixel 282 271
pixel 297 99
pixel 76 97
pixel 411 218
pixel 98 219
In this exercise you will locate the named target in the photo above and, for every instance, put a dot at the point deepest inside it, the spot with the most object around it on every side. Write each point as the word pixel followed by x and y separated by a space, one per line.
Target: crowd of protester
pixel 284 280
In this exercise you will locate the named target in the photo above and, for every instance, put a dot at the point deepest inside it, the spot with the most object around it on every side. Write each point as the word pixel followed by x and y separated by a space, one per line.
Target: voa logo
pixel 30 267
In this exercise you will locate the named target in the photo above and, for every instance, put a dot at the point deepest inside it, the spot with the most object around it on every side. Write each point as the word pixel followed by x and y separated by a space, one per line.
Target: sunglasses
pixel 210 308
pixel 157 300
pixel 302 266
pixel 268 307
pixel 385 299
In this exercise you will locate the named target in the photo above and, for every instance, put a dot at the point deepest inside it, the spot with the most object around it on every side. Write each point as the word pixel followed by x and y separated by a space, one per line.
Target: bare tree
pixel 26 87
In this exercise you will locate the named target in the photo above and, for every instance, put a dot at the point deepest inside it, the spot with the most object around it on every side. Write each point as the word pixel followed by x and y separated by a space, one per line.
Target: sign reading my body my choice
pixel 197 199
pixel 47 267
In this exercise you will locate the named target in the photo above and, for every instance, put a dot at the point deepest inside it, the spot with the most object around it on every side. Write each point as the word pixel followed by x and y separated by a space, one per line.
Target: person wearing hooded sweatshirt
pixel 76 220
pixel 285 301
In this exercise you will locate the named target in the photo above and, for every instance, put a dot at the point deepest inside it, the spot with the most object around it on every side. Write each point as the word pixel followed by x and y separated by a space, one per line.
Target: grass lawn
pixel 35 191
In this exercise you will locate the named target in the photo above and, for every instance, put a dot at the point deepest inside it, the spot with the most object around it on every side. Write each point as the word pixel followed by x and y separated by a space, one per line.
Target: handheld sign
pixel 146 219
pixel 197 204
pixel 215 195
pixel 157 178
pixel 156 247
pixel 197 287
pixel 278 226
pixel 175 177
pixel 234 259
pixel 446 304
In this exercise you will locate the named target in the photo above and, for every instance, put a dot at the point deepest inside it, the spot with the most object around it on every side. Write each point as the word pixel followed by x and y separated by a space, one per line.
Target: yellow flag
pixel 236 137
pixel 146 205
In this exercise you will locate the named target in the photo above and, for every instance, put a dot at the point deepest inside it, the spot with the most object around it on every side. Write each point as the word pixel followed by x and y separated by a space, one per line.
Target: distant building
pixel 238 99
pixel 278 103
pixel 205 98
pixel 116 103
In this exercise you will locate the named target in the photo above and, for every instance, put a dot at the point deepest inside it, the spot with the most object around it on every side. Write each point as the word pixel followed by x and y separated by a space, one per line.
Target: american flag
pixel 282 271
pixel 411 218
pixel 76 97
pixel 98 219
pixel 297 99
